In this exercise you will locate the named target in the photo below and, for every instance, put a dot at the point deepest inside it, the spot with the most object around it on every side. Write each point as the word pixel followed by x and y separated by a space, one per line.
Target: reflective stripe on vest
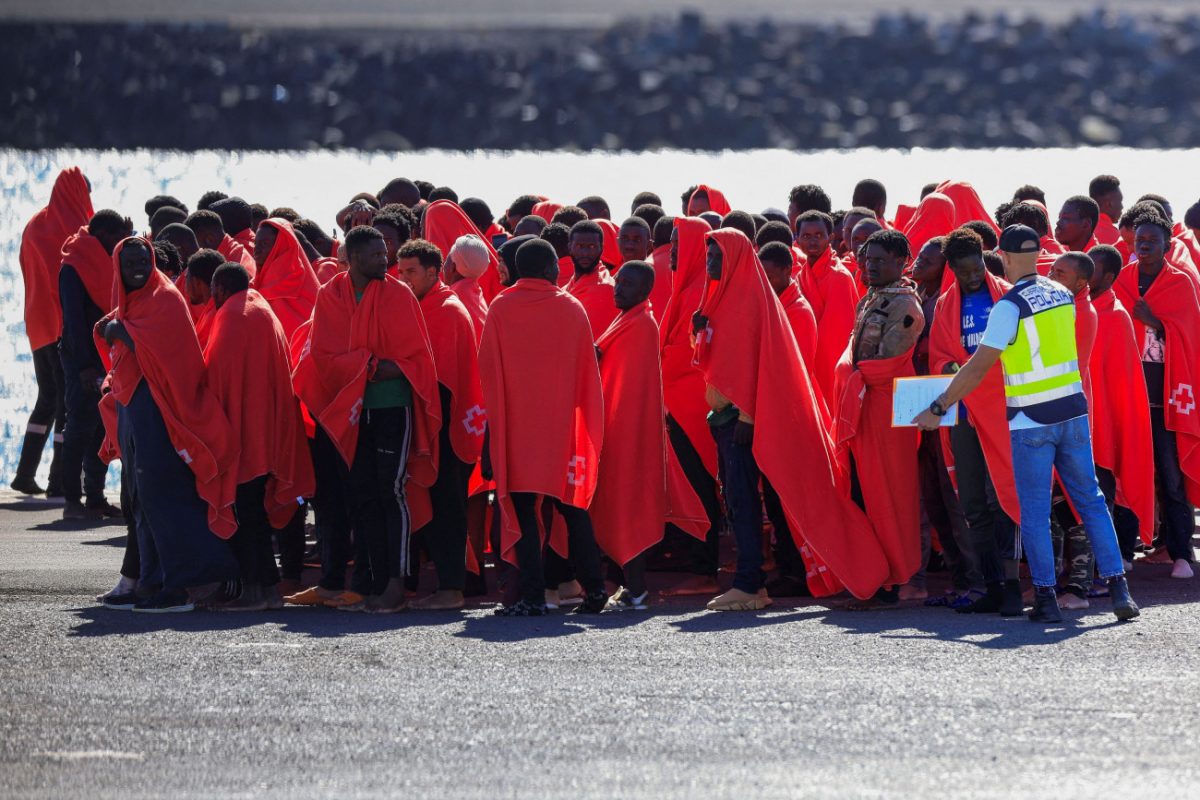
pixel 1041 366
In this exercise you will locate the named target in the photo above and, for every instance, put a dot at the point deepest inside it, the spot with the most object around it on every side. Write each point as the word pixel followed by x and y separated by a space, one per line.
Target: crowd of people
pixel 898 81
pixel 577 401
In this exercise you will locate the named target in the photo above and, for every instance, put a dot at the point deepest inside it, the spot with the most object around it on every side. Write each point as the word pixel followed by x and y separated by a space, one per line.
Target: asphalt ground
pixel 802 700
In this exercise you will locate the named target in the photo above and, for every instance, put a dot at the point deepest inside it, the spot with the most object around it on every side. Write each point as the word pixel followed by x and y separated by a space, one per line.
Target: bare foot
pixel 737 600
pixel 392 600
pixel 910 592
pixel 252 598
pixel 1072 602
pixel 695 585
pixel 446 600
pixel 569 591
pixel 1182 569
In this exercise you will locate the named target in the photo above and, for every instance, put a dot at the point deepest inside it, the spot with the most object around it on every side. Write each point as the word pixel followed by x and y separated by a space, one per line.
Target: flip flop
pixel 346 598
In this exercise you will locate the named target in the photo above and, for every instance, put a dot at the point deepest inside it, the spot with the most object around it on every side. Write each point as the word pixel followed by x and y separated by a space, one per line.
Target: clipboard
pixel 911 396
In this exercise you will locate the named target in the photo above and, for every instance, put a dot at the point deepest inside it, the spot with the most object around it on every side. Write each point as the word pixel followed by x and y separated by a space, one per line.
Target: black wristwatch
pixel 937 409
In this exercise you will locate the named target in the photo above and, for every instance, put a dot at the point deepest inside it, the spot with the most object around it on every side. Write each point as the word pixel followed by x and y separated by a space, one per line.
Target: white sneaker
pixel 124 586
pixel 1182 569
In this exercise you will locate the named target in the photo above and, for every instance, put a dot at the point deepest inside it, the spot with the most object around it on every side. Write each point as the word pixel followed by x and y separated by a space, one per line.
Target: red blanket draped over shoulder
pixel 884 457
pixel 934 217
pixel 660 295
pixel 1106 232
pixel 41 255
pixel 986 408
pixel 344 341
pixel 326 268
pixel 750 356
pixel 287 281
pixel 594 291
pixel 93 265
pixel 167 355
pixel 640 488
pixel 1121 437
pixel 1173 299
pixel 904 214
pixel 683 385
pixel 611 253
pixel 249 370
pixel 546 210
pixel 967 205
pixel 716 201
pixel 455 354
pixel 804 323
pixel 471 296
pixel 542 392
pixel 833 294
pixel 1086 324
pixel 444 221
pixel 233 250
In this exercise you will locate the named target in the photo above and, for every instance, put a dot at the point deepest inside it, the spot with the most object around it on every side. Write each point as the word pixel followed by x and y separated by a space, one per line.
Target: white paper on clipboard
pixel 911 396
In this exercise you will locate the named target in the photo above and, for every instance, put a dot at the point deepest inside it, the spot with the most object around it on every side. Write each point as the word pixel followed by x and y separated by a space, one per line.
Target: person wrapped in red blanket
pixel 592 284
pixel 285 276
pixel 832 293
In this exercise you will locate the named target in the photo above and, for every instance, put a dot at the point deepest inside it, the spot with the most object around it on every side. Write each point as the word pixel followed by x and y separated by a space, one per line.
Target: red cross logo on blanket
pixel 575 470
pixel 1183 399
pixel 356 412
pixel 474 413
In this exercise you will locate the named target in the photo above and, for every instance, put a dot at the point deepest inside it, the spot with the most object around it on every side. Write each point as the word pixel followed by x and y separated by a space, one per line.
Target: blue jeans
pixel 1067 446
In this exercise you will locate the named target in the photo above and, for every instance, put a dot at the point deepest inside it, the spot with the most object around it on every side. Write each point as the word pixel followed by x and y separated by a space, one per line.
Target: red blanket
pixel 1173 299
pixel 967 205
pixel 803 322
pixel 640 487
pixel 595 292
pixel 326 268
pixel 93 265
pixel 1106 232
pixel 611 254
pixel 546 209
pixel 683 385
pixel 471 296
pixel 41 254
pixel 660 295
pixel 1120 411
pixel 452 337
pixel 716 200
pixel 249 371
pixel 287 280
pixel 544 401
pixel 444 222
pixel 904 214
pixel 932 218
pixel 1086 323
pixel 345 340
pixel 833 295
pixel 986 408
pixel 747 355
pixel 233 250
pixel 167 355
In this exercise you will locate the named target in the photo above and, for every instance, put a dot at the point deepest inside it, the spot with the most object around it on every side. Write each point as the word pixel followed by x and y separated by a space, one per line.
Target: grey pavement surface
pixel 798 701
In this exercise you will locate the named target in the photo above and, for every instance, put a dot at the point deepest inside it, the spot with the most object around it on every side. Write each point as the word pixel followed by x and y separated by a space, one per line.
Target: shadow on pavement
pixel 79 525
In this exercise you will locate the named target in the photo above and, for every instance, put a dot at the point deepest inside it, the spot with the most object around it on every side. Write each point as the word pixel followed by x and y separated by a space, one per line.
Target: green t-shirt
pixel 386 394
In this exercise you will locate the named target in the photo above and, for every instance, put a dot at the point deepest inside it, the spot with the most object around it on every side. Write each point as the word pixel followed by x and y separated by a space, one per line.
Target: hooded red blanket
pixel 249 371
pixel 640 487
pixel 455 354
pixel 660 295
pixel 833 295
pixel 1120 408
pixel 934 217
pixel 167 355
pixel 287 280
pixel 93 265
pixel 542 392
pixel 716 201
pixel 41 254
pixel 611 253
pixel 967 205
pixel 444 222
pixel 594 291
pixel 346 338
pixel 1173 299
pixel 233 250
pixel 748 355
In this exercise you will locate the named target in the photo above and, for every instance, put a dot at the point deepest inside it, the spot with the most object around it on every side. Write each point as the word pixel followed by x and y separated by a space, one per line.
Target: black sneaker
pixel 1012 604
pixel 1045 607
pixel 164 602
pixel 1123 605
pixel 989 603
pixel 103 508
pixel 521 608
pixel 26 486
pixel 788 586
pixel 593 603
pixel 121 602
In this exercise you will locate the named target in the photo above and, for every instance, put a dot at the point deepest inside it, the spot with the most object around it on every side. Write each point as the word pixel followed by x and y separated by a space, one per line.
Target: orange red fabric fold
pixel 471 296
pixel 287 281
pixel 93 265
pixel 1106 231
pixel 660 295
pixel 455 355
pixel 235 251
pixel 716 200
pixel 967 205
pixel 594 291
pixel 934 217
pixel 611 253
pixel 546 210
pixel 803 322
pixel 444 222
pixel 833 294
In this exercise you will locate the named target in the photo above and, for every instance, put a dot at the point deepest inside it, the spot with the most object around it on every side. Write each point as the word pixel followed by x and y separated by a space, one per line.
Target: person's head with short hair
pixel 164 201
pixel 645 199
pixel 1029 192
pixel 863 230
pixel 208 198
pixel 368 198
pixel 366 255
pixel 166 258
pixel 807 197
pixel 986 232
pixel 586 244
pixel 712 218
pixel 1191 218
pixel 663 230
pixel 519 209
pixel 1077 221
pixel 929 266
pixel 686 198
pixel 1109 264
pixel 1106 191
pixel 870 193
pixel 633 240
pixel 425 188
pixel 1163 203
pixel 884 257
pixel 536 259
pixel 569 215
pixel 962 250
pixel 507 266
pixel 468 258
pixel 183 238
pixel 835 237
pixel 479 212
pixel 281 212
pixel 559 237
pixel 442 193
pixel 1022 213
pixel 595 207
pixel 775 215
pixel 200 269
pixel 395 231
pixel 258 213
pixel 929 189
pixel 635 281
pixel 228 280
pixel 740 221
pixel 163 217
pixel 1073 270
pixel 136 263
pixel 1125 225
pixel 207 226
pixel 814 229
pixel 399 190
pixel 1151 238
pixel 110 228
pixel 649 213
pixel 419 264
pixel 773 232
pixel 1019 248
pixel 234 213
pixel 776 258
pixel 316 236
pixel 532 225
pixel 852 217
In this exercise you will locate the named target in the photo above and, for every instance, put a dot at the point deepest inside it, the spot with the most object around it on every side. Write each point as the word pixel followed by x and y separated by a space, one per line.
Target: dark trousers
pixel 82 470
pixel 787 555
pixel 176 549
pixel 992 535
pixel 331 513
pixel 378 504
pixel 702 556
pixel 1177 523
pixel 941 511
pixel 446 534
pixel 49 413
pixel 581 545
pixel 1125 521
pixel 739 481
pixel 252 542
pixel 131 563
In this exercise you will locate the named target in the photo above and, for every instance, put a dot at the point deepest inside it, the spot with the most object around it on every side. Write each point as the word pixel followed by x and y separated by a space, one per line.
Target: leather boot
pixel 1122 601
pixel 1045 606
pixel 1012 605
